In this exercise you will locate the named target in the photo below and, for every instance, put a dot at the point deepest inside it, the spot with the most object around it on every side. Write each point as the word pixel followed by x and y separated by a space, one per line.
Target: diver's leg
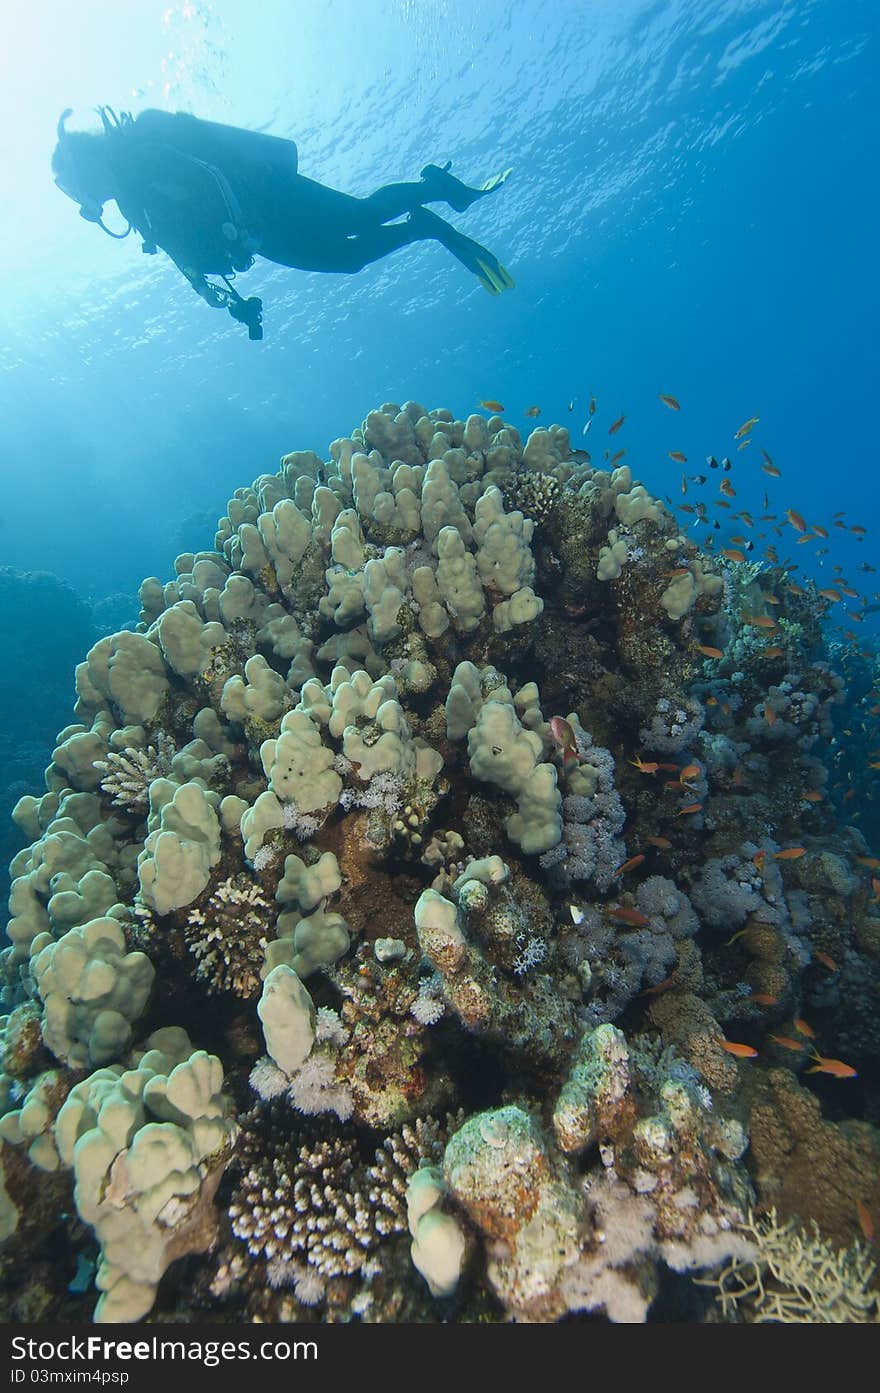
pixel 437 186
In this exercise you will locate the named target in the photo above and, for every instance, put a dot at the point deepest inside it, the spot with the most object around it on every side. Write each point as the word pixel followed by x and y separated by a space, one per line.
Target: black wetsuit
pixel 183 181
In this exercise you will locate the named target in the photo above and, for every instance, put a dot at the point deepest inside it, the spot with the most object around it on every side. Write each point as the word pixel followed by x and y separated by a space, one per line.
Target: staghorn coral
pixel 315 1198
pixel 795 1278
pixel 228 933
pixel 128 773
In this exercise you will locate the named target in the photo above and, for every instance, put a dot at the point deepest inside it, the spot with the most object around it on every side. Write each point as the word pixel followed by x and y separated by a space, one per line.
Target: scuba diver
pixel 214 197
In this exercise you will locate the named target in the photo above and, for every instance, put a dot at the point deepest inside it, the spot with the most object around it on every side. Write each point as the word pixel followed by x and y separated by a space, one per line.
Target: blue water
pixel 692 210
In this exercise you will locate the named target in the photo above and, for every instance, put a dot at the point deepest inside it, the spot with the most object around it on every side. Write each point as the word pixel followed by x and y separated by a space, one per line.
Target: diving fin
pixel 496 181
pixel 459 196
pixel 477 259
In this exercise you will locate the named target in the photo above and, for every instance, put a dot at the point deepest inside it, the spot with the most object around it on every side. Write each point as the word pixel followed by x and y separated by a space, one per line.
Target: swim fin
pixel 445 186
pixel 477 259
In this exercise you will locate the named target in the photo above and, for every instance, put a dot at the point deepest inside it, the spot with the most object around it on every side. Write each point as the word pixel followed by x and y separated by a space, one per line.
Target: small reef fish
pixel 797 1046
pixel 763 999
pixel 615 425
pixel 814 795
pixel 630 865
pixel 866 1223
pixel 491 405
pixel 726 487
pixel 826 960
pixel 564 738
pixel 627 915
pixel 660 987
pixel 733 554
pixel 760 621
pixel 774 651
pixel 671 402
pixel 708 651
pixel 678 456
pixel 662 843
pixel 586 428
pixel 690 771
pixel 770 715
pixel 615 458
pixel 835 1067
pixel 740 1051
pixel 746 427
pixel 791 853
pixel 571 405
pixel 803 1029
pixel 592 408
pixel 689 808
pixel 643 768
pixel 829 594
pixel 532 411
pixel 796 520
pixel 577 914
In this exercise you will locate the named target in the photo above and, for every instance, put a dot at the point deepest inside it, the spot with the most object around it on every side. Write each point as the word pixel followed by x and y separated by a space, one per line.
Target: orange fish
pixel 759 858
pixel 532 411
pixel 788 1044
pixel 796 520
pixel 627 915
pixel 740 1051
pixel 690 771
pixel 630 865
pixel 709 652
pixel 790 854
pixel 814 796
pixel 872 862
pixel 826 960
pixel 859 531
pixel 866 1223
pixel 772 471
pixel 615 425
pixel 618 455
pixel 803 1029
pixel 746 427
pixel 774 652
pixel 660 987
pixel 760 621
pixel 662 842
pixel 726 487
pixel 669 401
pixel 491 405
pixel 732 554
pixel 853 595
pixel 769 715
pixel 829 594
pixel 820 531
pixel 643 768
pixel 762 999
pixel 744 444
pixel 835 1067
pixel 690 808
pixel 678 457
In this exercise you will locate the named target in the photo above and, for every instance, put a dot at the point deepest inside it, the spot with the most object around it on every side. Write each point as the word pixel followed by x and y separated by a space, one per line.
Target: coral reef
pixel 418 797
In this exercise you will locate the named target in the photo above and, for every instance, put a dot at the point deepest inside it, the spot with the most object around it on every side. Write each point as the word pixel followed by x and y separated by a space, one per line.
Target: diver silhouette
pixel 214 197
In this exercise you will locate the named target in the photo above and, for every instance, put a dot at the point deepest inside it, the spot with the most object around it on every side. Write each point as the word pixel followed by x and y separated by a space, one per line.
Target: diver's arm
pixel 247 312
pixel 211 294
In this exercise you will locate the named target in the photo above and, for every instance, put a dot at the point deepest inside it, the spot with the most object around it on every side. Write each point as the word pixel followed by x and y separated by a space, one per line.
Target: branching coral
pixel 797 1278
